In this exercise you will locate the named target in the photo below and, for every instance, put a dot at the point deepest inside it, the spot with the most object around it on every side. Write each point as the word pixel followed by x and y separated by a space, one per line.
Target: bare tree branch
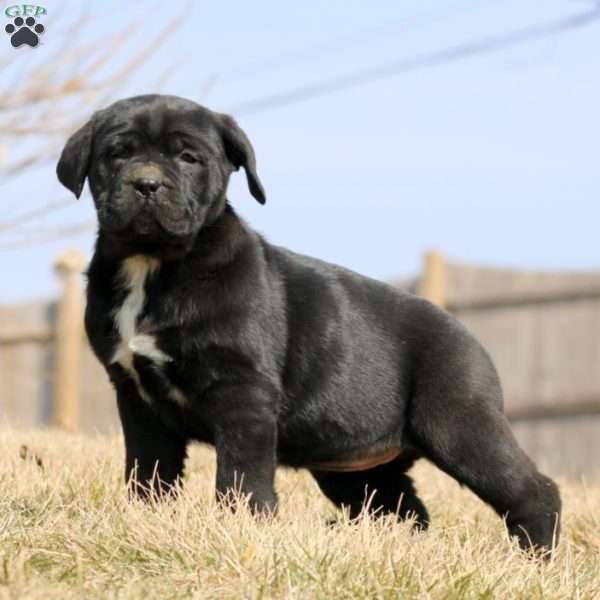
pixel 34 214
pixel 55 97
pixel 41 104
pixel 49 235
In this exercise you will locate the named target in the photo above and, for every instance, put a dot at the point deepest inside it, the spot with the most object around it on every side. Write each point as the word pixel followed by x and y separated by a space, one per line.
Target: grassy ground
pixel 67 531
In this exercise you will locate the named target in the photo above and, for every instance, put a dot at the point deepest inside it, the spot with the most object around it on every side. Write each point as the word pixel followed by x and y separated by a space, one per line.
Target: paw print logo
pixel 24 31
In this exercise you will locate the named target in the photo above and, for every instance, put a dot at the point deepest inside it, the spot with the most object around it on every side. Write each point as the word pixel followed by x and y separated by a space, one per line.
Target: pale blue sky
pixel 493 159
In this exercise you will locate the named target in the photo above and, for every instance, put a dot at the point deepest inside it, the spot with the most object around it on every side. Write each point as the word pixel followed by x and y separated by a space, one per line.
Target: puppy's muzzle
pixel 147 180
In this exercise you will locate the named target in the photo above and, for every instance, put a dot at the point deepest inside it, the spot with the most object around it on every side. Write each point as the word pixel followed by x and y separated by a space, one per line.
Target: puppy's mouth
pixel 154 226
pixel 149 228
pixel 146 235
pixel 159 216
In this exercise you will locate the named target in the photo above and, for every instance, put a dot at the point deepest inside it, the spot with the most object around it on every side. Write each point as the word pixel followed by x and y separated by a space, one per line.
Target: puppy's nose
pixel 146 185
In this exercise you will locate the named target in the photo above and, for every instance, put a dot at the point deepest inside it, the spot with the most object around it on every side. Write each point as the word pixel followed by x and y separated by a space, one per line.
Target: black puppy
pixel 210 333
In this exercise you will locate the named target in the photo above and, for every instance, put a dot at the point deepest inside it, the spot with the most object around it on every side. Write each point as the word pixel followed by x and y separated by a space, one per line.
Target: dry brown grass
pixel 67 531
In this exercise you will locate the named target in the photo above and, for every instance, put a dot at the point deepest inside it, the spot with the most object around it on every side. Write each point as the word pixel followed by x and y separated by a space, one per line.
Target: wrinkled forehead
pixel 157 120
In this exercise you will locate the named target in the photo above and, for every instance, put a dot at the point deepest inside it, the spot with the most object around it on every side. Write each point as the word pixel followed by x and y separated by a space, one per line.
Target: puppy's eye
pixel 119 152
pixel 188 157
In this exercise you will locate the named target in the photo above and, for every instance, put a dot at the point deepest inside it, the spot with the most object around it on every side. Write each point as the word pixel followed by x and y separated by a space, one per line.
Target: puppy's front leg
pixel 245 426
pixel 154 453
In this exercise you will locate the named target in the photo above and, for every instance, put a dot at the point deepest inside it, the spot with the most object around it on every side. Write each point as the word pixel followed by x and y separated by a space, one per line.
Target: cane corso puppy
pixel 210 333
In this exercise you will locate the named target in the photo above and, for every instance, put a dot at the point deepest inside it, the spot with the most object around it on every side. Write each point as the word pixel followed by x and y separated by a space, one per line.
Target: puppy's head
pixel 158 168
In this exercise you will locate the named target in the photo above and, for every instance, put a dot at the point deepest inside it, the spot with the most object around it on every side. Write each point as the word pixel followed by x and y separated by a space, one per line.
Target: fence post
pixel 432 285
pixel 68 336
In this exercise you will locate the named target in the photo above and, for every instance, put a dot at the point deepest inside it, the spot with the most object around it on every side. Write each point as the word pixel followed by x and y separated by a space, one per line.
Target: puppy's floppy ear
pixel 241 154
pixel 73 165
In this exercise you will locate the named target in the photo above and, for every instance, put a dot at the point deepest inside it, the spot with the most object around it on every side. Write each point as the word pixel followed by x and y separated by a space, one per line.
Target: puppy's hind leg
pixel 455 418
pixel 386 488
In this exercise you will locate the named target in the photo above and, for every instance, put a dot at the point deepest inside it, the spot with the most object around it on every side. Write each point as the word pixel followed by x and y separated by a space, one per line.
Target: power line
pixel 446 55
pixel 350 40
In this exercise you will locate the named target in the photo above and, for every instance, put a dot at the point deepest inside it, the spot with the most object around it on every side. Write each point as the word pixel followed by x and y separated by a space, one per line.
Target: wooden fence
pixel 542 330
pixel 48 373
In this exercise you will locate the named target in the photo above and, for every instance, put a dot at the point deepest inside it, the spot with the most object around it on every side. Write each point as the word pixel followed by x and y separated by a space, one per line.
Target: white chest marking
pixel 134 272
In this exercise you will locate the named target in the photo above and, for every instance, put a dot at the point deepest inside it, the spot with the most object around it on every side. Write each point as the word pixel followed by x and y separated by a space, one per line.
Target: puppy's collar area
pixel 137 266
